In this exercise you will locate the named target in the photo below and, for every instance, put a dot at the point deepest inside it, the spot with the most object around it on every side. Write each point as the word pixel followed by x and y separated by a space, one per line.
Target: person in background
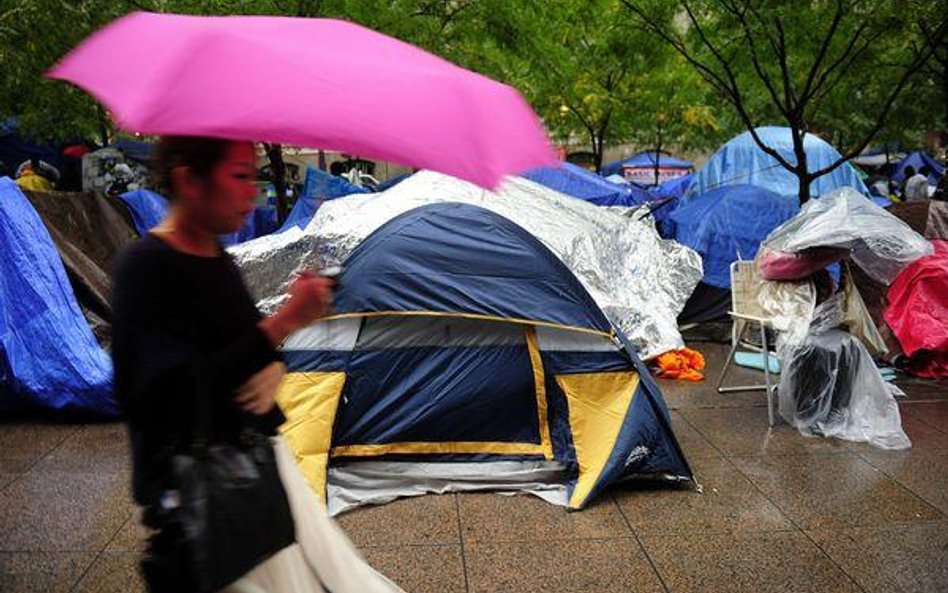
pixel 941 190
pixel 916 184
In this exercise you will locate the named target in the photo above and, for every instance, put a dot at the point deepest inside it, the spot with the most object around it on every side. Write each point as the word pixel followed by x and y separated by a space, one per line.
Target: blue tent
pixel 459 337
pixel 318 187
pixel 728 221
pixel 48 355
pixel 741 162
pixel 577 182
pixel 147 208
pixel 646 159
pixel 917 160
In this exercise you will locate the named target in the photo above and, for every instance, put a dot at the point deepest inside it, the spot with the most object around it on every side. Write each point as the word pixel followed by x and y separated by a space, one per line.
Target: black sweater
pixel 184 327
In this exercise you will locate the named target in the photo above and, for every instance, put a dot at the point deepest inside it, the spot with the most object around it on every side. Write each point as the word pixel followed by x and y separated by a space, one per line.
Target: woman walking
pixel 196 373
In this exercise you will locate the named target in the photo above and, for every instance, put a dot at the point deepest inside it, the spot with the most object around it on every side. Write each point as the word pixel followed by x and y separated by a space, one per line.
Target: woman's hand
pixel 257 395
pixel 310 298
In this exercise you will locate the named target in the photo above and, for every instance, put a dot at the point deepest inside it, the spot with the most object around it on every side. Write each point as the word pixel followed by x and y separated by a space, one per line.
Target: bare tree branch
pixel 824 48
pixel 940 36
pixel 761 74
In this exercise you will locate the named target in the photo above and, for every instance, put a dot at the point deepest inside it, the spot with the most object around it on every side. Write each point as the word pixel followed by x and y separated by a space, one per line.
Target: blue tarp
pixel 262 221
pixel 48 355
pixel 318 187
pixel 728 221
pixel 147 207
pixel 392 182
pixel 673 188
pixel 646 159
pixel 917 160
pixel 742 162
pixel 133 149
pixel 512 276
pixel 577 182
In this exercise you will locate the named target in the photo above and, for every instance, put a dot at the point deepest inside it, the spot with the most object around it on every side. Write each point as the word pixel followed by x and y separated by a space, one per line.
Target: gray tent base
pixel 353 484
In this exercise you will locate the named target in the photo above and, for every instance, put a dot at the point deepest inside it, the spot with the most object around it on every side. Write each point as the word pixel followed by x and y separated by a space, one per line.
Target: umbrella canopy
pixel 307 82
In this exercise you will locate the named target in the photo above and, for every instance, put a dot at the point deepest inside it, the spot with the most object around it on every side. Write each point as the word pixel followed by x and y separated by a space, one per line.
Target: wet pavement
pixel 779 512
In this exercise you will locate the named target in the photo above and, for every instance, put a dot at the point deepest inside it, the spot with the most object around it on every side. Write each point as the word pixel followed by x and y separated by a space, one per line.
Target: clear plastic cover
pixel 831 387
pixel 881 244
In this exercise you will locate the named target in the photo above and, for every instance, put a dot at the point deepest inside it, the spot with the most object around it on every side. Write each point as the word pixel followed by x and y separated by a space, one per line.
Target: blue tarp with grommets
pixel 49 357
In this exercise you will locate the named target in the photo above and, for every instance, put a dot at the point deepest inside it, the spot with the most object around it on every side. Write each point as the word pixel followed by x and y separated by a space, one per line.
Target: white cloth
pixel 323 558
pixel 916 188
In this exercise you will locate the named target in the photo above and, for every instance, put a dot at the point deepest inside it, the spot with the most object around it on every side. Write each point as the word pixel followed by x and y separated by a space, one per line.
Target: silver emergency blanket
pixel 639 280
pixel 881 244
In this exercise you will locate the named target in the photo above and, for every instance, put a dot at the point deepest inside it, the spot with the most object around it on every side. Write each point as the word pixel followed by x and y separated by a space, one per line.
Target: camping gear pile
pixel 829 383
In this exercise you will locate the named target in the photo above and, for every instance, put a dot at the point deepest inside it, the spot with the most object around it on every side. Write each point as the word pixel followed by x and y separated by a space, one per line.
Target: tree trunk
pixel 658 149
pixel 801 171
pixel 278 168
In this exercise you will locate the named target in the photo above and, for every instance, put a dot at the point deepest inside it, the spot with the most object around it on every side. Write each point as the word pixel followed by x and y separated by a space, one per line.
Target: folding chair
pixel 746 286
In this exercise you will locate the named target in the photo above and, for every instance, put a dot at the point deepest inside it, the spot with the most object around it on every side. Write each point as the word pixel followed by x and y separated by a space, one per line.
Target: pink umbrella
pixel 307 82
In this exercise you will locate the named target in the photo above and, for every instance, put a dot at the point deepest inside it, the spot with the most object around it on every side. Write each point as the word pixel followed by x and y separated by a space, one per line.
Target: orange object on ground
pixel 685 364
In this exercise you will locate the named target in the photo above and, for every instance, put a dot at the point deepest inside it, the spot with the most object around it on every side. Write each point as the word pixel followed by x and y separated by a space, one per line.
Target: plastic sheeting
pixel 881 244
pixel 742 161
pixel 640 281
pixel 727 224
pixel 48 355
pixel 831 387
pixel 918 312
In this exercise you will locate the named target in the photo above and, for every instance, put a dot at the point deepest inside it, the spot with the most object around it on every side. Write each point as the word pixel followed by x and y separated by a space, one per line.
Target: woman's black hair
pixel 200 155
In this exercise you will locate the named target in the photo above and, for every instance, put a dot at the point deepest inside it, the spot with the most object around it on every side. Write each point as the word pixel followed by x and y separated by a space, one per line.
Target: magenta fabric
pixel 318 83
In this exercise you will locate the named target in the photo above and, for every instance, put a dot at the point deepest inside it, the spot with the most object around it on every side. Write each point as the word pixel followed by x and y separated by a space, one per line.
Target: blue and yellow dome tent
pixel 459 337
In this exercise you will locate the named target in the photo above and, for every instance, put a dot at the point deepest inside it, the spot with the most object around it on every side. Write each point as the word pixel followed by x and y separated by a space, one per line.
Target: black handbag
pixel 226 513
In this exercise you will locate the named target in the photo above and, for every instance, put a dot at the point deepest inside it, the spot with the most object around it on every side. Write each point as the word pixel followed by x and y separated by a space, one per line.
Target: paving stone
pixel 729 503
pixel 784 562
pixel 909 559
pixel 922 471
pixel 820 491
pixel 22 444
pixel 692 443
pixel 63 511
pixel 493 518
pixel 420 569
pixel 95 447
pixel 132 537
pixel 564 566
pixel 429 519
pixel 933 414
pixel 42 572
pixel 113 572
pixel 746 432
